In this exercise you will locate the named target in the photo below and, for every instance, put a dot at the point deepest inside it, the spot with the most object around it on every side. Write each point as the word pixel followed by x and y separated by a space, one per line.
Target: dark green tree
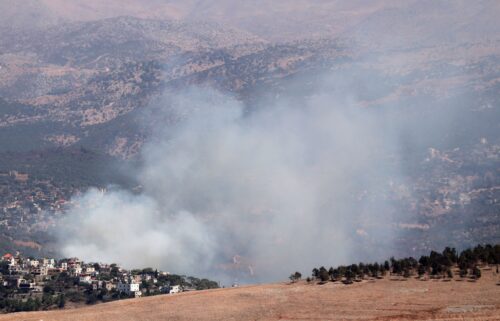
pixel 323 274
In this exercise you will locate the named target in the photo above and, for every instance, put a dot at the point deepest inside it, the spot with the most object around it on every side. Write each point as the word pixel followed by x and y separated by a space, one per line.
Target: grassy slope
pixel 380 300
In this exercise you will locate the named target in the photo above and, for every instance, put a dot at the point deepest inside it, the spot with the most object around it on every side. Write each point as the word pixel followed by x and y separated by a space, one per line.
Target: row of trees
pixel 435 264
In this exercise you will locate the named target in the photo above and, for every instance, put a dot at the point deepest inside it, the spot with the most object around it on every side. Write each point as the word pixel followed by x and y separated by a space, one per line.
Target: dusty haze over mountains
pixel 250 138
pixel 285 19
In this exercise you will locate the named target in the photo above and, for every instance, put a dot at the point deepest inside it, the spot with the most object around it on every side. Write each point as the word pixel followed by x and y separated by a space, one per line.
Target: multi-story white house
pixel 76 270
pixel 44 270
pixel 85 279
pixel 10 259
pixel 15 268
pixel 25 284
pixel 34 263
pixel 128 288
pixel 48 262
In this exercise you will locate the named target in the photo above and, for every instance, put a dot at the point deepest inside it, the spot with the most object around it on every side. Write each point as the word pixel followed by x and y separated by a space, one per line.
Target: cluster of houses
pixel 30 275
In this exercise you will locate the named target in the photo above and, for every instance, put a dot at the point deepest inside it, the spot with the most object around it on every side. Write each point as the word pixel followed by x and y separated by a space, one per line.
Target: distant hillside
pixel 81 83
pixel 124 38
pixel 382 21
pixel 76 167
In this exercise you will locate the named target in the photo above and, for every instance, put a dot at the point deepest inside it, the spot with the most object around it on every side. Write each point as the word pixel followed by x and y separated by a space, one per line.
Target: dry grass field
pixel 369 300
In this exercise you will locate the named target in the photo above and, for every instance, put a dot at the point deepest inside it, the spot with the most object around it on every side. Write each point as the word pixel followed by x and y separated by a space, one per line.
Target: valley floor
pixel 370 300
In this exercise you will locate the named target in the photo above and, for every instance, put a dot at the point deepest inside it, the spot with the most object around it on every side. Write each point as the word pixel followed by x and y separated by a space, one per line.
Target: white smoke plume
pixel 250 195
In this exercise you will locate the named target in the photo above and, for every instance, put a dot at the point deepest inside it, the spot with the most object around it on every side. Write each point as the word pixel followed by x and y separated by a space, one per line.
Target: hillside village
pixel 29 284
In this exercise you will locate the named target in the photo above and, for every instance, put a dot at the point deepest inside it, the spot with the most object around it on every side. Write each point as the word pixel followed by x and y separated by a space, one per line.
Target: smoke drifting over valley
pixel 260 137
pixel 250 195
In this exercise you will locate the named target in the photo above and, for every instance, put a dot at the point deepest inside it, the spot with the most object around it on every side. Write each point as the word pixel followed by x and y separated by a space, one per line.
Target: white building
pixel 48 263
pixel 34 263
pixel 25 284
pixel 76 270
pixel 15 268
pixel 174 289
pixel 11 260
pixel 128 288
pixel 85 279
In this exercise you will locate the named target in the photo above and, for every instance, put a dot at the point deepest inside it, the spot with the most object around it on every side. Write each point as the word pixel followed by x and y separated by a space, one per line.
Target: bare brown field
pixel 370 300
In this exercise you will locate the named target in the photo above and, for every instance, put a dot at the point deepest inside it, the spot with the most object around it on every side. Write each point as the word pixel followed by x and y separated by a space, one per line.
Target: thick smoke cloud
pixel 233 194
